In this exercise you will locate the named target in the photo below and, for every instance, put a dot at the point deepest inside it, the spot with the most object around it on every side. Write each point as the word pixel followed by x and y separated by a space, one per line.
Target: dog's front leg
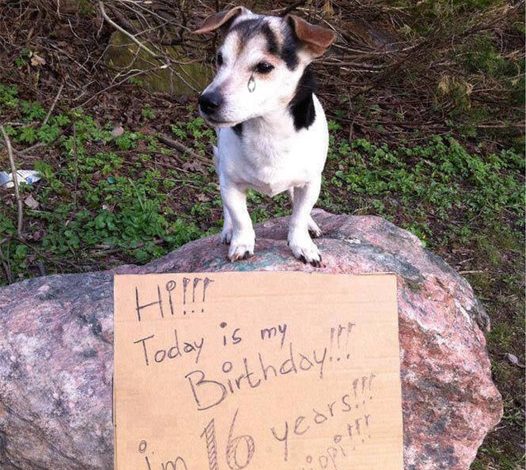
pixel 243 235
pixel 299 239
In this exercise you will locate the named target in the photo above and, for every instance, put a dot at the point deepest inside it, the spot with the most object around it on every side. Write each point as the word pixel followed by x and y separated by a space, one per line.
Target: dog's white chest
pixel 274 160
pixel 273 167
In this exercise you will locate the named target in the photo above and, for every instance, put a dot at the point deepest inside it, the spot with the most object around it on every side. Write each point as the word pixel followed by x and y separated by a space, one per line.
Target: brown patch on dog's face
pixel 219 19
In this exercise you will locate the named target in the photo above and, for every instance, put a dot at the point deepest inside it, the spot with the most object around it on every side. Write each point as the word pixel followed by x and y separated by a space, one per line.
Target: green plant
pixel 147 112
pixel 23 58
pixel 8 96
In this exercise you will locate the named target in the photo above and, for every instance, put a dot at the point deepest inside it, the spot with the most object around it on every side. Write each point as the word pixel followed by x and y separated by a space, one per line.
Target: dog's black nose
pixel 210 102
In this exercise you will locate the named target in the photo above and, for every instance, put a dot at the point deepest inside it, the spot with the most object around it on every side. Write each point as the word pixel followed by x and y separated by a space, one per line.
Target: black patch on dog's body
pixel 247 29
pixel 289 49
pixel 301 106
pixel 272 40
pixel 238 129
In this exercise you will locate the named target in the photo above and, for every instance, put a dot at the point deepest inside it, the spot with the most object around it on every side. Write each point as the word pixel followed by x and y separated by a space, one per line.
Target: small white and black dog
pixel 272 131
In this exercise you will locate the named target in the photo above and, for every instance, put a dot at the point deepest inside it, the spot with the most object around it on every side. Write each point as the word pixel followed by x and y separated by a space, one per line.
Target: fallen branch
pixel 182 148
pixel 55 101
pixel 123 31
pixel 15 181
pixel 125 79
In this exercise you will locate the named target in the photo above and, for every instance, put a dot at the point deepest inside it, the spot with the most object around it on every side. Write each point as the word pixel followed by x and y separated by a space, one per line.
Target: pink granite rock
pixel 56 337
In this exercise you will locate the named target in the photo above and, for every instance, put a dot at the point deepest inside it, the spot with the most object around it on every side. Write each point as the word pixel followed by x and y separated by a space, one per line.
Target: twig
pixel 290 8
pixel 55 101
pixel 92 97
pixel 123 31
pixel 43 254
pixel 76 155
pixel 182 148
pixel 104 250
pixel 30 149
pixel 5 265
pixel 15 181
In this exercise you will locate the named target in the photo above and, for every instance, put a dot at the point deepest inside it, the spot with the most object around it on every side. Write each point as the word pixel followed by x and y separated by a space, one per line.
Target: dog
pixel 271 128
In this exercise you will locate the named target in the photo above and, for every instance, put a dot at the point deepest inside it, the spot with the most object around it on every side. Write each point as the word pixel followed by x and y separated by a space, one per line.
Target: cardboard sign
pixel 257 371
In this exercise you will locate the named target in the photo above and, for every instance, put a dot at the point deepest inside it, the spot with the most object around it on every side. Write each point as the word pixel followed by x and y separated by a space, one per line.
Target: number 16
pixel 232 447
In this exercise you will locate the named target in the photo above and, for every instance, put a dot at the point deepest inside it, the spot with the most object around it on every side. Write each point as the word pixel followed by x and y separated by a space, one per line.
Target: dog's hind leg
pixel 314 229
pixel 226 233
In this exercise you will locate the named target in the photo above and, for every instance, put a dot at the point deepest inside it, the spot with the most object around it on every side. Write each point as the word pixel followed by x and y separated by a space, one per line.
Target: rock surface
pixel 57 331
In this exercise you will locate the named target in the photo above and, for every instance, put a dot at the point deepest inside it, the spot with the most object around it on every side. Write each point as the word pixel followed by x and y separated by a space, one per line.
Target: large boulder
pixel 57 331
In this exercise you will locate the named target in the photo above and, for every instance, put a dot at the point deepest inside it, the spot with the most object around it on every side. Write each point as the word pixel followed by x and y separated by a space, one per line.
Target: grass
pixel 112 195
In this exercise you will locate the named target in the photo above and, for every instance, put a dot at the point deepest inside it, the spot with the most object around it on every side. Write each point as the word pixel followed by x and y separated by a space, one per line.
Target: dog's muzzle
pixel 210 102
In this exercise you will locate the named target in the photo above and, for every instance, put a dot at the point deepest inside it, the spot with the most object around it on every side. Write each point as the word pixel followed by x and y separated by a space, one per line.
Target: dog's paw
pixel 241 246
pixel 305 250
pixel 226 236
pixel 314 230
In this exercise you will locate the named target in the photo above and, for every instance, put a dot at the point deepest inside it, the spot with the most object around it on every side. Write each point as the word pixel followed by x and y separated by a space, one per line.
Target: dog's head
pixel 259 64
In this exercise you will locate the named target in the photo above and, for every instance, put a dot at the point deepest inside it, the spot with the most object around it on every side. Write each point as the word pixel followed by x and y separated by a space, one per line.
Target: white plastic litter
pixel 23 176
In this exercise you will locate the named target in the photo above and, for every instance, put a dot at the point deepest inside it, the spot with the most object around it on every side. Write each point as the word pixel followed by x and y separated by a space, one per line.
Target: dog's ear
pixel 219 19
pixel 315 38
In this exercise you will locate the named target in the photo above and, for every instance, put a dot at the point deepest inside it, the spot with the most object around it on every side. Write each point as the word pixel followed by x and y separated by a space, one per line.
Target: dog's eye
pixel 264 67
pixel 219 59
